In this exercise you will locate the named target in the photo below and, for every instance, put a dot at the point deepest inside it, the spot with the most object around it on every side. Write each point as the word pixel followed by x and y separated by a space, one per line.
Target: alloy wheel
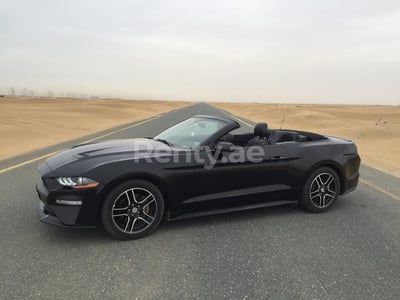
pixel 134 210
pixel 323 190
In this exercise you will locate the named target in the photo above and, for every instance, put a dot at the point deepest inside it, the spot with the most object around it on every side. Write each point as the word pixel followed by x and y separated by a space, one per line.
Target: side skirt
pixel 231 209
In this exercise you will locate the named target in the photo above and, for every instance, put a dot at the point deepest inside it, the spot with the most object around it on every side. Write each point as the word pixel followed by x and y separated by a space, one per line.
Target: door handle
pixel 277 157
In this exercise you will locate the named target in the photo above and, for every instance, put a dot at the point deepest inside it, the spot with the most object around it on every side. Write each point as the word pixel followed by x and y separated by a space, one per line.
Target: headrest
pixel 261 130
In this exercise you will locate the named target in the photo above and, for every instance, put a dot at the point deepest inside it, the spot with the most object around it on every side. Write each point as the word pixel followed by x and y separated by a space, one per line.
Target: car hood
pixel 106 151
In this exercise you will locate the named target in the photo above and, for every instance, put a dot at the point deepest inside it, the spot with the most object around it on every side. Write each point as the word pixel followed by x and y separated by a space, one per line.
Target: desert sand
pixel 28 123
pixel 375 129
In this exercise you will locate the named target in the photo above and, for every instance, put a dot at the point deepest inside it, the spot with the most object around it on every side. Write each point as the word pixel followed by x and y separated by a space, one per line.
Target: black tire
pixel 320 191
pixel 132 210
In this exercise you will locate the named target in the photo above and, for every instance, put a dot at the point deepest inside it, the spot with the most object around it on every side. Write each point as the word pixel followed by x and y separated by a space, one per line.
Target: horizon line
pixel 89 97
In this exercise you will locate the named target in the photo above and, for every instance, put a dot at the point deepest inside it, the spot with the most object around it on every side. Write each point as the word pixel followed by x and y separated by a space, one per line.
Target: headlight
pixel 77 182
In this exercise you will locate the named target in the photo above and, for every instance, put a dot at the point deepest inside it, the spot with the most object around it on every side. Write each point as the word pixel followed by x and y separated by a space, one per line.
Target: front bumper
pixel 78 216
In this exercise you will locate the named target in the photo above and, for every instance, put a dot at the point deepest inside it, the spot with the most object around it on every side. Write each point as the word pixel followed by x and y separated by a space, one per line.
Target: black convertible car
pixel 197 167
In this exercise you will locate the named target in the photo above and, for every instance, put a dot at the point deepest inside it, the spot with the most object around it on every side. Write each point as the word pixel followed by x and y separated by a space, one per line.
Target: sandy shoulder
pixel 27 124
pixel 375 129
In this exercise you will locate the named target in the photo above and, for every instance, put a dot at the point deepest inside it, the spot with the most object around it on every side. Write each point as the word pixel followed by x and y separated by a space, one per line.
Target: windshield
pixel 191 132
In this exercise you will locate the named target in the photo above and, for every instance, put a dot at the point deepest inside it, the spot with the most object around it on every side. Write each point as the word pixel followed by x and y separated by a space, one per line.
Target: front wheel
pixel 132 210
pixel 321 190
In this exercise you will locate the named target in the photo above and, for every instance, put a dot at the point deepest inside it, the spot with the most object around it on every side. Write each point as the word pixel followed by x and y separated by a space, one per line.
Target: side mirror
pixel 225 146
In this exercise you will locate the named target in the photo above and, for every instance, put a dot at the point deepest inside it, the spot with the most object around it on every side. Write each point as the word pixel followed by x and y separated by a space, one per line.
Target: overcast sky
pixel 338 51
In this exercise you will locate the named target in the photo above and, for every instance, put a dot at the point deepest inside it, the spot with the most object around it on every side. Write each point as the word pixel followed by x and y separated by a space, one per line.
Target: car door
pixel 234 182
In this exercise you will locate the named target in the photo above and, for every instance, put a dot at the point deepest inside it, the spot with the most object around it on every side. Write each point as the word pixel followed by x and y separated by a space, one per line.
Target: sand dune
pixel 375 129
pixel 28 124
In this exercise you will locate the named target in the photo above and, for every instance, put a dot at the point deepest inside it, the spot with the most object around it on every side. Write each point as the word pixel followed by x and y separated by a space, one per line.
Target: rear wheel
pixel 321 190
pixel 132 210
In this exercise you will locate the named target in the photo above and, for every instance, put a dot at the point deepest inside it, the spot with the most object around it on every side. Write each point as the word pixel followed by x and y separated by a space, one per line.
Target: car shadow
pixel 234 217
pixel 99 236
pixel 252 215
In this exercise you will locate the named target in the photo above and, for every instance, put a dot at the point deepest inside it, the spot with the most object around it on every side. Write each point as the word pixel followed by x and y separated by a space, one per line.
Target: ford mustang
pixel 197 167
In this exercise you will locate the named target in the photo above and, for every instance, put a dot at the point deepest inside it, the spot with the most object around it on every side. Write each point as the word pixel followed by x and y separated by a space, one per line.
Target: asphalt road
pixel 351 252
